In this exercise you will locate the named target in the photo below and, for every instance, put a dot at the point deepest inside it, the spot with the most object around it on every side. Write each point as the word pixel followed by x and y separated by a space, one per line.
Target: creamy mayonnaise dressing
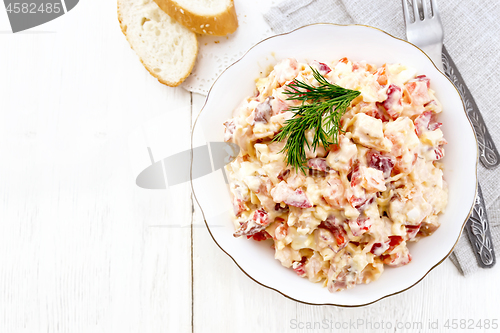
pixel 361 201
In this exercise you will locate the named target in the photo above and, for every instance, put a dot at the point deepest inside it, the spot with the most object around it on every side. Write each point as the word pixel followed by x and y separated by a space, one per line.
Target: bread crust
pixel 123 27
pixel 219 25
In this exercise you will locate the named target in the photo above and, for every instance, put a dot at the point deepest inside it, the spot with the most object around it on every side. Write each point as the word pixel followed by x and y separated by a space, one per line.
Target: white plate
pixel 327 42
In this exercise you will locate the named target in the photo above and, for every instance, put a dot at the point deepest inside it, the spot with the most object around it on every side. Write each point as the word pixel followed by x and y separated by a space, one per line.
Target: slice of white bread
pixel 209 17
pixel 166 48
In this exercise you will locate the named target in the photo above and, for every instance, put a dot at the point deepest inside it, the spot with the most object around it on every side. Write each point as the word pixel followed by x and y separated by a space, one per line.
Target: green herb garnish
pixel 321 110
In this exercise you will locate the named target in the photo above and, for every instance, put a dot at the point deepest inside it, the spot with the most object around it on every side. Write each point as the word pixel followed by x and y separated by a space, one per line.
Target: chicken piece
pixel 369 132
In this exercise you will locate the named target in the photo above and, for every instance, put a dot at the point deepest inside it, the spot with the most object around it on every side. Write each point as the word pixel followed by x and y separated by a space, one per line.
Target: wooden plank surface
pixel 82 249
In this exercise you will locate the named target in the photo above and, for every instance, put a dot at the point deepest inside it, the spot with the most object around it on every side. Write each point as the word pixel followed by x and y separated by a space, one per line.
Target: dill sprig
pixel 321 110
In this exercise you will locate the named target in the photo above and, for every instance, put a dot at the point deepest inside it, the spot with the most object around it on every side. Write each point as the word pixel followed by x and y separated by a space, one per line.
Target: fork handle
pixel 478 231
pixel 488 153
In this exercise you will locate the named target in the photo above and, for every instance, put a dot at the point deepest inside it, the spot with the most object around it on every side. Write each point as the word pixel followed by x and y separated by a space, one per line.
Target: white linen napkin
pixel 471 38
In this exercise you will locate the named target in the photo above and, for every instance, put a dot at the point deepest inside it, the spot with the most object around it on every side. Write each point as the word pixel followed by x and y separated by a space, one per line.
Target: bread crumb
pixel 216 42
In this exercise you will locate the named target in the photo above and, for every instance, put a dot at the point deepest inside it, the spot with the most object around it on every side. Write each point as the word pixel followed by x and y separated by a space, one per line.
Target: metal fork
pixel 426 32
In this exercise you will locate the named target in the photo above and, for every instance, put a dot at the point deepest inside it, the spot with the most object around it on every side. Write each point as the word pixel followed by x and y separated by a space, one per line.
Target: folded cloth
pixel 470 35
